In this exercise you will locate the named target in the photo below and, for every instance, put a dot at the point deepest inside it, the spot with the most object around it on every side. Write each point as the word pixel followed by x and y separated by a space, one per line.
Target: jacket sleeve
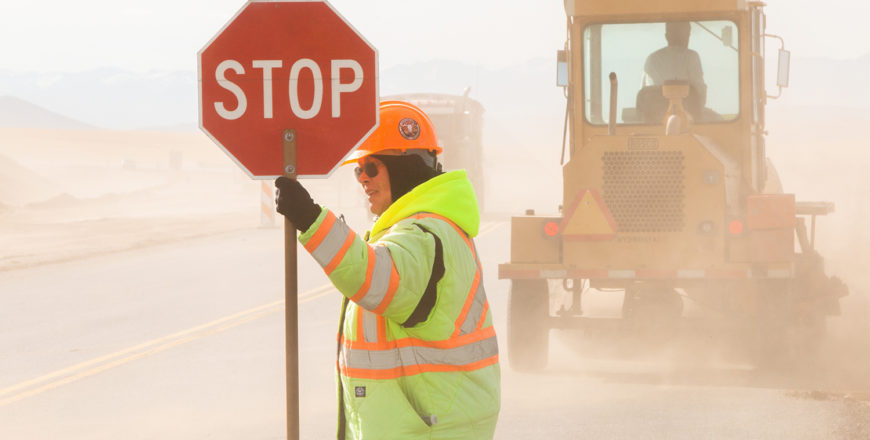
pixel 387 277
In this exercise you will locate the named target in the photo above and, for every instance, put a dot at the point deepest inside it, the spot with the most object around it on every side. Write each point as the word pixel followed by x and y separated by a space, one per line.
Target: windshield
pixel 702 54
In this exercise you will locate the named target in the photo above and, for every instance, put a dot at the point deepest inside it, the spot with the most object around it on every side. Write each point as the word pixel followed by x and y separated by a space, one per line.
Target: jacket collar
pixel 450 195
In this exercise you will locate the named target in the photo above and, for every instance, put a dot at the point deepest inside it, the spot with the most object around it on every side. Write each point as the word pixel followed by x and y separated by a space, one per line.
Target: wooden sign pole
pixel 291 301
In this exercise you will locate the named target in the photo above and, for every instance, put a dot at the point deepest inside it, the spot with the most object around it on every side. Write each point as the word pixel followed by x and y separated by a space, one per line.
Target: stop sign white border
pixel 200 103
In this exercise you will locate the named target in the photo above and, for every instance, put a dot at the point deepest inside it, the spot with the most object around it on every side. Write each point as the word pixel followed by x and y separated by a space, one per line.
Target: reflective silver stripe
pixel 370 326
pixel 554 274
pixel 413 355
pixel 689 273
pixel 621 274
pixel 473 316
pixel 380 280
pixel 331 244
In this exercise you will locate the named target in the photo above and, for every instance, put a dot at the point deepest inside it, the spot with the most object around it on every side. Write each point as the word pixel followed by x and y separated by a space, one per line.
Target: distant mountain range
pixel 116 99
pixel 16 112
pixel 109 98
pixel 525 92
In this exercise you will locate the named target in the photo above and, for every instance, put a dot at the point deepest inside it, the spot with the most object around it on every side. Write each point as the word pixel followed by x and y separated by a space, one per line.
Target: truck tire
pixel 788 334
pixel 528 325
pixel 773 339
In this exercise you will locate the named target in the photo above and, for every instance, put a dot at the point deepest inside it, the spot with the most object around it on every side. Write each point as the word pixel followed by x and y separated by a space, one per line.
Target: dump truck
pixel 668 193
pixel 458 123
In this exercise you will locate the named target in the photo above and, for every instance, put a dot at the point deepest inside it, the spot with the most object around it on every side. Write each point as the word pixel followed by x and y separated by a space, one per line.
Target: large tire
pixel 528 325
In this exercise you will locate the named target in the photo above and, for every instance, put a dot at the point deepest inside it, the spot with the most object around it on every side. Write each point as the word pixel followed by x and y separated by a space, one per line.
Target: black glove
pixel 295 203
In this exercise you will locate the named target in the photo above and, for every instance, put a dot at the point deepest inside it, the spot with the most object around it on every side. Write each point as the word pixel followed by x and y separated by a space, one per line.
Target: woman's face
pixel 376 187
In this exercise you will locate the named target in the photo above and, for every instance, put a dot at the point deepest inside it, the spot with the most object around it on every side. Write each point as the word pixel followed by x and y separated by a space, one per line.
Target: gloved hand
pixel 295 203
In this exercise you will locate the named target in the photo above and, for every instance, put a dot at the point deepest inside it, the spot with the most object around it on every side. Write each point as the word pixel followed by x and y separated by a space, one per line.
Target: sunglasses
pixel 369 168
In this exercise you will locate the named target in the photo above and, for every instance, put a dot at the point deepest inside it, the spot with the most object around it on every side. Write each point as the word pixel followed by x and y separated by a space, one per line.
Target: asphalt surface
pixel 185 341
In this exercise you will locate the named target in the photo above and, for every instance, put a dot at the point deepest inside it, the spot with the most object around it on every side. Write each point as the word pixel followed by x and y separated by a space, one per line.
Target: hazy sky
pixel 63 35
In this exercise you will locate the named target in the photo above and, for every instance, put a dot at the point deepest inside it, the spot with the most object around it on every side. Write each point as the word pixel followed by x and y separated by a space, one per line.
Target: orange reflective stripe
pixel 469 300
pixel 391 291
pixel 472 294
pixel 321 232
pixel 482 318
pixel 370 355
pixel 408 360
pixel 382 329
pixel 449 222
pixel 360 330
pixel 337 259
pixel 380 279
pixel 410 370
pixel 440 217
pixel 370 267
pixel 329 242
pixel 454 342
pixel 471 318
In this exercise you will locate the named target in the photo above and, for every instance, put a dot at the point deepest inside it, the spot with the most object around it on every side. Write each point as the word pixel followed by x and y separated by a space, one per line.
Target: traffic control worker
pixel 417 356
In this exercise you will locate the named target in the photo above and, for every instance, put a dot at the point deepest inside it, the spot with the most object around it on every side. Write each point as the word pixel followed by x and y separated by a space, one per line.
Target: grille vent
pixel 644 190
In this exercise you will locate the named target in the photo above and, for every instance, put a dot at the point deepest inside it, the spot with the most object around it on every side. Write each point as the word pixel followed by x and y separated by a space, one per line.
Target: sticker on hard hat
pixel 409 129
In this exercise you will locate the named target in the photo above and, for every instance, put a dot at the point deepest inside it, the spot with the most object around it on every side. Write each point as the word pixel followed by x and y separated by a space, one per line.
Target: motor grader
pixel 667 190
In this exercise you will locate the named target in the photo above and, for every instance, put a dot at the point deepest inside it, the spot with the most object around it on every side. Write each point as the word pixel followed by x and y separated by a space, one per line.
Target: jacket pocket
pixel 380 410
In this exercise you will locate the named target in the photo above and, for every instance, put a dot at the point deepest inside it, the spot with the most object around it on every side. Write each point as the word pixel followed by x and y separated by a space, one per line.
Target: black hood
pixel 406 172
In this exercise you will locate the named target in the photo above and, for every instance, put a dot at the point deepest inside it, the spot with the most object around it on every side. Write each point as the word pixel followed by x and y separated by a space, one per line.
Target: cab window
pixel 645 56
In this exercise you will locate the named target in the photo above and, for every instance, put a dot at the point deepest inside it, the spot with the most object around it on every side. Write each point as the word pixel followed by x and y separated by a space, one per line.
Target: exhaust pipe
pixel 614 85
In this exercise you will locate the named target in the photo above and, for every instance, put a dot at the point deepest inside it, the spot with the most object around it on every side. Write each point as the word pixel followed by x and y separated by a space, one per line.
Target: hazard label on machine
pixel 588 218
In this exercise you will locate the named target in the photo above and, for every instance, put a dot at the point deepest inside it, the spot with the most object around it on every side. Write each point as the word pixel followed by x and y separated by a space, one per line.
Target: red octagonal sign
pixel 288 65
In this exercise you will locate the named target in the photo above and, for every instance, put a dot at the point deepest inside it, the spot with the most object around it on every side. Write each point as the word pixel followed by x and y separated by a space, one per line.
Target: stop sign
pixel 282 65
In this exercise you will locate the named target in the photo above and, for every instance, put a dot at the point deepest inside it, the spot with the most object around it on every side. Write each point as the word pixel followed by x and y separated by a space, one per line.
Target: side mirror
pixel 727 36
pixel 783 67
pixel 562 68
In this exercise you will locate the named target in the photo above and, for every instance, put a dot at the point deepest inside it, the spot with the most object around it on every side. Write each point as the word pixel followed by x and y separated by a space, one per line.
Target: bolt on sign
pixel 280 65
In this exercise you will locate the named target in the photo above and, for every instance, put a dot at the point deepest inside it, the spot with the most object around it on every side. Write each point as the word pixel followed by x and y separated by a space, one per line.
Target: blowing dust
pixel 819 158
pixel 69 194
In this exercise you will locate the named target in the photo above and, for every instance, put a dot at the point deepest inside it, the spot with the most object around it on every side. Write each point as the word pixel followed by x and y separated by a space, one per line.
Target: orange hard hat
pixel 403 126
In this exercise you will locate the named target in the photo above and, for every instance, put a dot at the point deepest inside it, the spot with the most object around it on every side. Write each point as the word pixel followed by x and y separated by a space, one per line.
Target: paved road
pixel 185 341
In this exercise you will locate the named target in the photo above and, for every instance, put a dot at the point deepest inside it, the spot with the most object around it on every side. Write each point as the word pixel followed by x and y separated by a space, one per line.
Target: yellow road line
pixel 103 363
pixel 97 365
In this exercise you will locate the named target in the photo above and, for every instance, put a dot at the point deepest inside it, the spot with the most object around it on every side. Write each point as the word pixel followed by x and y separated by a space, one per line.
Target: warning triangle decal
pixel 588 218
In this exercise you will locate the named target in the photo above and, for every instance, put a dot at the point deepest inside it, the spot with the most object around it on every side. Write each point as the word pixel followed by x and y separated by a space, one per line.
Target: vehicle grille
pixel 644 190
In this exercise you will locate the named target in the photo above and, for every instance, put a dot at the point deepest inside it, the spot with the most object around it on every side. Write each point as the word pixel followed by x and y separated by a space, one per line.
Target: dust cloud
pixel 820 155
pixel 73 193
pixel 68 194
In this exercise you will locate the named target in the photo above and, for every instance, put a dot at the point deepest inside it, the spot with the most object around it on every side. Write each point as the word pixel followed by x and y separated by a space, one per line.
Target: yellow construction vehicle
pixel 667 190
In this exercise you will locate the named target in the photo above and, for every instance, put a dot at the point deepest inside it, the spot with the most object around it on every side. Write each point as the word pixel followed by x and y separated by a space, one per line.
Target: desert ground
pixel 141 296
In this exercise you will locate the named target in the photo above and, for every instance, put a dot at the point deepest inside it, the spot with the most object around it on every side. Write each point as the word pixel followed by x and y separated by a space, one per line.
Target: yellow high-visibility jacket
pixel 418 357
